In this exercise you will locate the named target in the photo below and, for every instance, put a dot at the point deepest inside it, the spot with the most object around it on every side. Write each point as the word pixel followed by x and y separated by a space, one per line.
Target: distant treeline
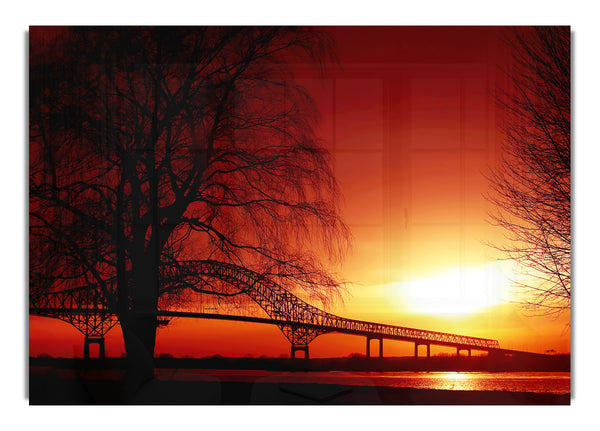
pixel 548 363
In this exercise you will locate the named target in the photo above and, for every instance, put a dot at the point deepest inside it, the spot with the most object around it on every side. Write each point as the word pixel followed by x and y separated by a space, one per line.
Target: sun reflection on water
pixel 455 376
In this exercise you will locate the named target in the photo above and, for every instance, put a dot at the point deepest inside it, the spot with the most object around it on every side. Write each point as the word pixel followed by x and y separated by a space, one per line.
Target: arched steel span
pixel 310 321
pixel 300 322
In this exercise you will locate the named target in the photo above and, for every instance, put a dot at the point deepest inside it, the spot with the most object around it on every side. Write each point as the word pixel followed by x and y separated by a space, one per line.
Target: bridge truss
pixel 88 310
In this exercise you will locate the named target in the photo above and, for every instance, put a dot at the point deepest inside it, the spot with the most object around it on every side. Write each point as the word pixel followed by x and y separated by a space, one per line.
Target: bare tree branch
pixel 153 146
pixel 532 187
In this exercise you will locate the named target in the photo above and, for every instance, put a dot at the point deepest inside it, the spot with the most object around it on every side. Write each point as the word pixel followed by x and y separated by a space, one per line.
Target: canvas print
pixel 299 215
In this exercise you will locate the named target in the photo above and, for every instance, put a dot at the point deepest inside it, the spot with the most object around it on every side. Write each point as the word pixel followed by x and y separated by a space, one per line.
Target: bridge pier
pixel 369 346
pixel 296 347
pixel 458 350
pixel 422 344
pixel 94 340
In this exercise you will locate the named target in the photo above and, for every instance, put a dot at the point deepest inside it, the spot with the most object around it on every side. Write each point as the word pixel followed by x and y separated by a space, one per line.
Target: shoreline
pixel 557 363
pixel 56 390
pixel 74 381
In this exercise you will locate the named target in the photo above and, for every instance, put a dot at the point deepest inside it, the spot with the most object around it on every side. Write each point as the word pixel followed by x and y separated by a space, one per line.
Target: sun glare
pixel 458 291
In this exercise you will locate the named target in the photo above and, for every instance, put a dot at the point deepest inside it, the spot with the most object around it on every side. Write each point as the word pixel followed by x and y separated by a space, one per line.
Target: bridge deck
pixel 300 321
pixel 376 331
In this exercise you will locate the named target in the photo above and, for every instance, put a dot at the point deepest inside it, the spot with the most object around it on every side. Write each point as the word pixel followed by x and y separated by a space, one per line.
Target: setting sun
pixel 458 291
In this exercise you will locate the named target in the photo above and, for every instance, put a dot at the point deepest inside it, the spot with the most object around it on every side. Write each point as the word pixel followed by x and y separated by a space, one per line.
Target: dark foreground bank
pixel 52 389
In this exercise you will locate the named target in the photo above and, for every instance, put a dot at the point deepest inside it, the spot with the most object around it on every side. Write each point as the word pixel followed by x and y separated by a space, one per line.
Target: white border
pixel 18 16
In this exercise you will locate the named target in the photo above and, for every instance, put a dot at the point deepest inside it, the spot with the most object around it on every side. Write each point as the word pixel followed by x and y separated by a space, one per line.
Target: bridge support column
pixel 94 340
pixel 369 346
pixel 423 344
pixel 458 350
pixel 303 348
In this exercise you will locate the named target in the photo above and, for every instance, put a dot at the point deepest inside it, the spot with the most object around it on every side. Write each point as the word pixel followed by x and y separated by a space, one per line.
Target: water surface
pixel 538 382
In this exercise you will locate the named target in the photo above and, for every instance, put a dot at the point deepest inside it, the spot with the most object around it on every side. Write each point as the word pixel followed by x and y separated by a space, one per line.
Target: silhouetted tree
pixel 153 146
pixel 532 188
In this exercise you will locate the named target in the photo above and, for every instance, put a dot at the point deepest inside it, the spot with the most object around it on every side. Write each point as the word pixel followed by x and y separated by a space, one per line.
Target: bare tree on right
pixel 531 188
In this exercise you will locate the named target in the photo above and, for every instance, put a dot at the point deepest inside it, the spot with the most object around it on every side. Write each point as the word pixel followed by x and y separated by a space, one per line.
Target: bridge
pixel 88 310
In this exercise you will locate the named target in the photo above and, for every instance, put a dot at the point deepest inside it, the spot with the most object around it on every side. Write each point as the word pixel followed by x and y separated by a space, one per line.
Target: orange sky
pixel 412 125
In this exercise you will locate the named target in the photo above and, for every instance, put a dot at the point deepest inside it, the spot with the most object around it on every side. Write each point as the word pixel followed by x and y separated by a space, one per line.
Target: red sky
pixel 410 118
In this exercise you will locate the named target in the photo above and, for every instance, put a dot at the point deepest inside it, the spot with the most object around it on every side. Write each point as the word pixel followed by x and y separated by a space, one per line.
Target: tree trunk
pixel 139 327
